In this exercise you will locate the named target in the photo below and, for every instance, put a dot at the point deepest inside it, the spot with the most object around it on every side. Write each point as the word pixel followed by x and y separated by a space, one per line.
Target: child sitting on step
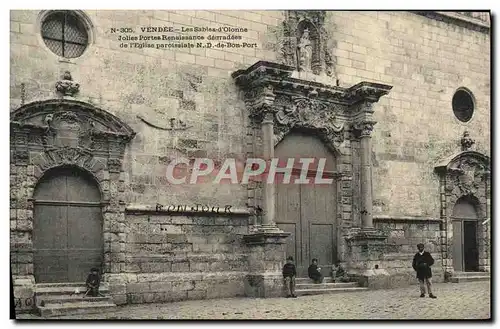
pixel 93 282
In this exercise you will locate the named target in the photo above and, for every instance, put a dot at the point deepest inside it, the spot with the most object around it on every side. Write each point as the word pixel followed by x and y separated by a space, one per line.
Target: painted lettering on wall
pixel 195 208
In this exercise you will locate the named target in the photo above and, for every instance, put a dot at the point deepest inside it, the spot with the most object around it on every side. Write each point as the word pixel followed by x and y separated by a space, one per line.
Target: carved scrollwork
pixel 114 165
pixel 21 156
pixel 307 113
pixel 66 156
pixel 469 176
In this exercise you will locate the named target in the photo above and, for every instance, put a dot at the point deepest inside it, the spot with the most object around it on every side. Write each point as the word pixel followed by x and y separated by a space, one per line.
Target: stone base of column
pixel 24 293
pixel 365 248
pixel 266 257
pixel 117 286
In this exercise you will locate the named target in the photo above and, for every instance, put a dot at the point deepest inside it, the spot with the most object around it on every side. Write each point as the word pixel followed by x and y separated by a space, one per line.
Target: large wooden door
pixel 307 211
pixel 67 226
pixel 465 246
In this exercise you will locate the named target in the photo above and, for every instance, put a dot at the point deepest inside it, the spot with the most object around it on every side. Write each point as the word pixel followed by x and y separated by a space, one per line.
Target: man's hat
pixel 94 269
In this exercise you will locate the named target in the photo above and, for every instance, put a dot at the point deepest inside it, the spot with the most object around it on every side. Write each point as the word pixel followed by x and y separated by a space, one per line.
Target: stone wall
pixel 184 256
pixel 425 60
pixel 403 236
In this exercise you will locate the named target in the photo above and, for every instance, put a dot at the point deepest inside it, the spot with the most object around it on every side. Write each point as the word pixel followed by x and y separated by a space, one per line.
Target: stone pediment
pixel 63 123
pixel 465 171
pixel 466 158
pixel 59 112
pixel 273 89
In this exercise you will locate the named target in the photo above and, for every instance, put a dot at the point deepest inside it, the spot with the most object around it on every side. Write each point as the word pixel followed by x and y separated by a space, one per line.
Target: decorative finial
pixel 66 86
pixel 466 141
pixel 67 76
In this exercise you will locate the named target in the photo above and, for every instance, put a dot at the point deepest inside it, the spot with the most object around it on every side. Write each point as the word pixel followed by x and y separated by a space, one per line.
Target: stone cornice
pixel 280 78
pixel 458 19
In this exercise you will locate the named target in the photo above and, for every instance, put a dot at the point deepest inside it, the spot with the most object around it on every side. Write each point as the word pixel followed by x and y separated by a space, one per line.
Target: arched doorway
pixel 307 211
pixel 67 226
pixel 465 233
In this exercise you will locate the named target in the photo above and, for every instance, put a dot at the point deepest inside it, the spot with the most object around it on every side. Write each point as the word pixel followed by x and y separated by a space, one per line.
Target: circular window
pixel 65 34
pixel 463 105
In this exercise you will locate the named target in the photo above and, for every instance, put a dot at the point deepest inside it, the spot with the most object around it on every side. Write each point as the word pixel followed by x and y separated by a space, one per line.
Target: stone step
pixel 65 290
pixel 308 280
pixel 68 284
pixel 308 292
pixel 470 279
pixel 53 310
pixel 324 285
pixel 61 299
pixel 467 274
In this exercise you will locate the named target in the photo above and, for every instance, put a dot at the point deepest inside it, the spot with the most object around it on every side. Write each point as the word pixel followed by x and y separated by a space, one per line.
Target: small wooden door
pixel 67 226
pixel 307 211
pixel 465 246
pixel 471 253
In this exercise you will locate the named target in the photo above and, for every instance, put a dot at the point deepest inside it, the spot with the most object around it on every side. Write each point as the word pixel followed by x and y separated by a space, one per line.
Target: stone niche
pixel 278 102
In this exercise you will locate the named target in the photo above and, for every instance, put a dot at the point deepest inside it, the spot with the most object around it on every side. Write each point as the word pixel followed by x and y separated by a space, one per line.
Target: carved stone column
pixel 268 223
pixel 366 174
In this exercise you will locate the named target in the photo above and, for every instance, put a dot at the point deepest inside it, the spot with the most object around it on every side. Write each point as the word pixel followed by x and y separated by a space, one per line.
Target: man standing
pixel 422 263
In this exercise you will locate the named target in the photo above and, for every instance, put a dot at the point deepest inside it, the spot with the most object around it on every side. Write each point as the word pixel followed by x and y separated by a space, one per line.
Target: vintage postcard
pixel 250 164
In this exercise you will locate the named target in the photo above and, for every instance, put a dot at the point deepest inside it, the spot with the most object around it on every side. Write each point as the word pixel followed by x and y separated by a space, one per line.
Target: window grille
pixel 64 34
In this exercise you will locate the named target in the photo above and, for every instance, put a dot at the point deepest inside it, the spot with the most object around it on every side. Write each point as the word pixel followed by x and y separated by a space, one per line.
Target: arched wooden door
pixel 67 226
pixel 307 211
pixel 465 233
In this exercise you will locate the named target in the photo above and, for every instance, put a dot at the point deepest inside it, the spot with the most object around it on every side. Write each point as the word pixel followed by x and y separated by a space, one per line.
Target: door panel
pixel 50 265
pixel 67 227
pixel 471 255
pixel 308 211
pixel 457 246
pixel 321 241
pixel 78 189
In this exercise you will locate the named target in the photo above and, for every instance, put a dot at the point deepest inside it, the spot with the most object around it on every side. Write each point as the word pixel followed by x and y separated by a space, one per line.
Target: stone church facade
pixel 398 103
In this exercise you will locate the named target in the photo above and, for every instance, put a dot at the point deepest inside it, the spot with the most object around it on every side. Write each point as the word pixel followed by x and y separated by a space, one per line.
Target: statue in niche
pixel 305 51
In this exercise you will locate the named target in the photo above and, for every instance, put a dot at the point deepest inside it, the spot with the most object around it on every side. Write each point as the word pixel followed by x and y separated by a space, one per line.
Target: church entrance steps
pixel 326 285
pixel 308 292
pixel 459 277
pixel 306 287
pixel 58 299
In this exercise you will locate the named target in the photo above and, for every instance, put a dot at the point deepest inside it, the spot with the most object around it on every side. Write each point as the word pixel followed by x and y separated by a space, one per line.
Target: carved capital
pixel 66 86
pixel 364 128
pixel 260 101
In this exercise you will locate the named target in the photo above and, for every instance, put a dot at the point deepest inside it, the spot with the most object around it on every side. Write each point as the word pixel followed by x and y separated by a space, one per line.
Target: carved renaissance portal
pixel 465 188
pixel 280 104
pixel 66 181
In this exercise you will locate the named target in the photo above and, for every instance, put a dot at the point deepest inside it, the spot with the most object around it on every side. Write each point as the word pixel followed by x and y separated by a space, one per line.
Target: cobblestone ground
pixel 455 301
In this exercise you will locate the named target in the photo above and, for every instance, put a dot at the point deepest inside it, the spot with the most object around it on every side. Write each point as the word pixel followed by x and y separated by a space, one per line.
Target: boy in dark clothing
pixel 339 274
pixel 289 274
pixel 422 263
pixel 315 272
pixel 93 282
